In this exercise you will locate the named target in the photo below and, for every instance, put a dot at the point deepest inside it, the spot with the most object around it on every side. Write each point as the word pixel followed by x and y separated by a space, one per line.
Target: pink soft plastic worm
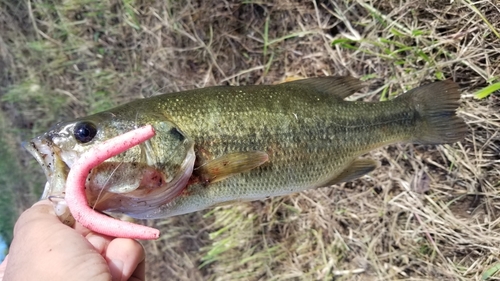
pixel 75 188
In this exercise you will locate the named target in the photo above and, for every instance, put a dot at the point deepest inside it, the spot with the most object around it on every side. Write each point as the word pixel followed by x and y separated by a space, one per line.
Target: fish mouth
pixel 46 154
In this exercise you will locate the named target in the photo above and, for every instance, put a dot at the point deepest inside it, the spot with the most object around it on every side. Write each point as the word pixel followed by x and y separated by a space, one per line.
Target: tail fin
pixel 435 105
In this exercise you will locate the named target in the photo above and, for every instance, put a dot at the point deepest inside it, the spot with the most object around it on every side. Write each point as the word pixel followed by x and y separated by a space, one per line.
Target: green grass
pixel 10 179
pixel 485 92
pixel 491 271
pixel 7 208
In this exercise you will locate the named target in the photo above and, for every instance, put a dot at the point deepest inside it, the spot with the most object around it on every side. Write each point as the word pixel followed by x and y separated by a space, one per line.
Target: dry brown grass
pixel 428 213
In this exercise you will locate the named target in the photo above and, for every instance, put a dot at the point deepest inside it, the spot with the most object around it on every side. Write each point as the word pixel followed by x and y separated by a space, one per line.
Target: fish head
pixel 143 177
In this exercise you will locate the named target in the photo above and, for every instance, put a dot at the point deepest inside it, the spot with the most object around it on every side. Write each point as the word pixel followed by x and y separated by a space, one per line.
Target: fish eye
pixel 84 131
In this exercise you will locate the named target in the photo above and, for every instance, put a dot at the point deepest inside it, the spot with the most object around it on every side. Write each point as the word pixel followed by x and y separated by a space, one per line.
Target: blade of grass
pixel 485 92
pixel 490 272
pixel 266 37
pixel 490 26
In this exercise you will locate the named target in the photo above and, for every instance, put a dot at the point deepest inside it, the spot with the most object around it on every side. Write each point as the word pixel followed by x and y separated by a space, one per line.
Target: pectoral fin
pixel 230 164
pixel 358 168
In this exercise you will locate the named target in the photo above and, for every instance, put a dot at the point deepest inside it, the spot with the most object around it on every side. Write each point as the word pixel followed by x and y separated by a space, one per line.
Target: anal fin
pixel 358 168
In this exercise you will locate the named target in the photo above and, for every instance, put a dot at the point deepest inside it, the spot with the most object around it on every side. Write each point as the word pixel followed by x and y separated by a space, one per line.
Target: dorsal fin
pixel 339 86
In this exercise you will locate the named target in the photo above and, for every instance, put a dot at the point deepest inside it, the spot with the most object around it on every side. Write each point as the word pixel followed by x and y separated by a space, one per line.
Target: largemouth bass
pixel 223 144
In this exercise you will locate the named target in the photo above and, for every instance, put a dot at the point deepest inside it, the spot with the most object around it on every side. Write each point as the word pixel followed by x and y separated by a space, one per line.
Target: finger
pixel 81 229
pixel 140 272
pixel 99 242
pixel 125 257
pixel 119 269
pixel 3 265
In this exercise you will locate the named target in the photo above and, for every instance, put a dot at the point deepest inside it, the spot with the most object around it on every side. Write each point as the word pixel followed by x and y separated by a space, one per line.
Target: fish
pixel 225 144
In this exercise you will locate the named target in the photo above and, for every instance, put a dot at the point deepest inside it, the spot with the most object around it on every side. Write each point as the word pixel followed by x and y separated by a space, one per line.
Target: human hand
pixel 43 248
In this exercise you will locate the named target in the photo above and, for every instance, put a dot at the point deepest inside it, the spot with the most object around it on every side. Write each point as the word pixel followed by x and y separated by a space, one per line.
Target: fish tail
pixel 435 105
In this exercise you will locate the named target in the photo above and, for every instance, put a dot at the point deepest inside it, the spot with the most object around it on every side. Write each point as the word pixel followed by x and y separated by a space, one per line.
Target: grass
pixel 428 213
pixel 485 92
pixel 7 211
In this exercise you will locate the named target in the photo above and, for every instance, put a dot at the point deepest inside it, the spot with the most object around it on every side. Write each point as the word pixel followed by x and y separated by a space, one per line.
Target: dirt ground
pixel 427 213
